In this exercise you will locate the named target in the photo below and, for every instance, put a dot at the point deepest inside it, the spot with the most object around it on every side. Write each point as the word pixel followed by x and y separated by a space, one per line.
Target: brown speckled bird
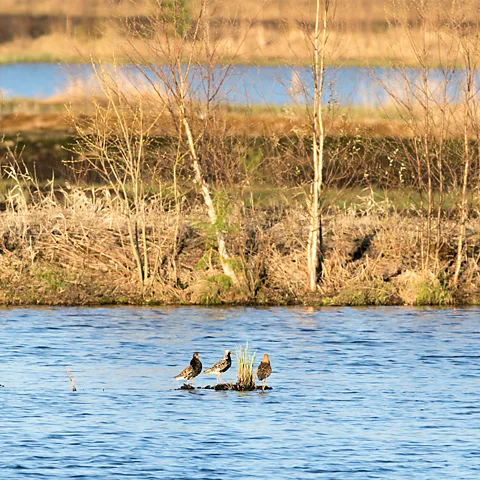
pixel 264 370
pixel 221 366
pixel 191 371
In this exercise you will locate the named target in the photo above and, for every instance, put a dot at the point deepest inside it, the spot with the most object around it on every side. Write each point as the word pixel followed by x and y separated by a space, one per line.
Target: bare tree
pixel 179 61
pixel 315 238
pixel 113 142
pixel 469 43
pixel 183 71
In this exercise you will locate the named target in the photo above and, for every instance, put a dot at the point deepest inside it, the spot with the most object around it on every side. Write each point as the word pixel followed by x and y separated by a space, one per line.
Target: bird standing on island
pixel 264 370
pixel 191 371
pixel 221 366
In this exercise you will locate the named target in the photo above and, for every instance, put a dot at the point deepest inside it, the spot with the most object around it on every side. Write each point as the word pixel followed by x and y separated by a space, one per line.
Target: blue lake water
pixel 281 85
pixel 357 394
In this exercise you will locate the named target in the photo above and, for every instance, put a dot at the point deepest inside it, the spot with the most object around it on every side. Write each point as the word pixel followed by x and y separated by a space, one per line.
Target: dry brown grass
pixel 276 31
pixel 69 247
pixel 263 44
pixel 351 11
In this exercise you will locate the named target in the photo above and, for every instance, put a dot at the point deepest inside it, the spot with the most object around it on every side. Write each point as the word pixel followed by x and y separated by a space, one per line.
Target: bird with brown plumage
pixel 264 370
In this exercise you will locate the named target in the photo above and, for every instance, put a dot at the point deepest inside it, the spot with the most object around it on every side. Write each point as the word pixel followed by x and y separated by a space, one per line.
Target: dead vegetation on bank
pixel 76 251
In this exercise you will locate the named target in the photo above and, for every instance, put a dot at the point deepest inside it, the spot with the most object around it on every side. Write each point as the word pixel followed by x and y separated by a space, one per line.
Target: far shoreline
pixel 29 58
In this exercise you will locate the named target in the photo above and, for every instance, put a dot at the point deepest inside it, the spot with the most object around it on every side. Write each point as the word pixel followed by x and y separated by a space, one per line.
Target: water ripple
pixel 357 393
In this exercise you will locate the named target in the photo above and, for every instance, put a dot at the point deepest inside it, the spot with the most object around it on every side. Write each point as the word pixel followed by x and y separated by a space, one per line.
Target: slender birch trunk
pixel 315 240
pixel 470 72
pixel 426 134
pixel 184 83
pixel 202 32
pixel 212 214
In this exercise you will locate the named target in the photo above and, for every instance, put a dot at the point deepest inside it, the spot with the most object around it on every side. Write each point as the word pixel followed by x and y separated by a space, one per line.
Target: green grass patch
pixel 53 280
pixel 376 293
pixel 433 292
pixel 222 280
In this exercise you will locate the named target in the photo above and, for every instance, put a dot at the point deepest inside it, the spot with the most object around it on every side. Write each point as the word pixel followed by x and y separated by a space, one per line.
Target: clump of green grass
pixel 245 374
pixel 376 292
pixel 433 293
pixel 221 280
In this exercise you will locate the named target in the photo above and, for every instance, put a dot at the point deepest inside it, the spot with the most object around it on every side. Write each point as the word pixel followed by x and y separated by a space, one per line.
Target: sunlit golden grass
pixel 263 47
pixel 365 12
pixel 245 369
pixel 276 33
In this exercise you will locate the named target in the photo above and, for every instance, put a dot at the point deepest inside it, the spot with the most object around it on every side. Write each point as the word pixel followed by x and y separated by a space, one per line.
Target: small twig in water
pixel 71 377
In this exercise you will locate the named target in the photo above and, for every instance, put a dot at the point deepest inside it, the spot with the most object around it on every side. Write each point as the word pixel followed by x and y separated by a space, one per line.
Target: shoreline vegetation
pixel 164 195
pixel 75 254
pixel 65 243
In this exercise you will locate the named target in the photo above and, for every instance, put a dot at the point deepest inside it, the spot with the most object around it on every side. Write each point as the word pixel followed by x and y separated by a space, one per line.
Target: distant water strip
pixel 244 85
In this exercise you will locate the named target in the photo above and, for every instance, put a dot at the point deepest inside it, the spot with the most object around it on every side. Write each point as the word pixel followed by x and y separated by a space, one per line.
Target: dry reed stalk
pixel 71 377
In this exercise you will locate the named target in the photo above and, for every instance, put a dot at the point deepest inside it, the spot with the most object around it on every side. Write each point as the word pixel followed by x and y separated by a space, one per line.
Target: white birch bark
pixel 212 214
pixel 314 235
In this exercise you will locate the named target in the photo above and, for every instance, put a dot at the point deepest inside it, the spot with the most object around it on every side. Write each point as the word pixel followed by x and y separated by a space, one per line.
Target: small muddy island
pixel 226 386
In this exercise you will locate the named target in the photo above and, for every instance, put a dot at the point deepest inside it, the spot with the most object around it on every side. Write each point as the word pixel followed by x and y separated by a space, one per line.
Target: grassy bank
pixel 65 234
pixel 70 246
